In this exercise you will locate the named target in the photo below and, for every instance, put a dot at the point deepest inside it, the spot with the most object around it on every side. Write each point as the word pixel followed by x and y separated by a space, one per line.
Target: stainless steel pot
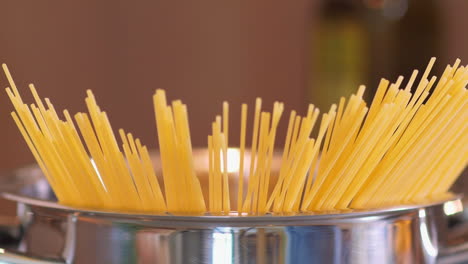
pixel 50 233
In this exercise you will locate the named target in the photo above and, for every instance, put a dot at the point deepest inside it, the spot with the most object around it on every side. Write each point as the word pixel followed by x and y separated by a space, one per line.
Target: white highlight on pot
pixel 222 247
pixel 453 207
pixel 428 245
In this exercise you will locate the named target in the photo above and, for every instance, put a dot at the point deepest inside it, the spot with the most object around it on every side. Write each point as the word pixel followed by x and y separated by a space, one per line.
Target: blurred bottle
pixel 359 42
pixel 339 52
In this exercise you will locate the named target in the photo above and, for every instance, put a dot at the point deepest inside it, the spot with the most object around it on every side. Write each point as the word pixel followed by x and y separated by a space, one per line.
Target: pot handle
pixel 9 233
pixel 18 258
pixel 457 249
pixel 455 233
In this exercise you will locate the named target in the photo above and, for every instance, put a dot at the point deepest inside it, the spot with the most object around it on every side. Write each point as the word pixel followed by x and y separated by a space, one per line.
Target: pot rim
pixel 234 218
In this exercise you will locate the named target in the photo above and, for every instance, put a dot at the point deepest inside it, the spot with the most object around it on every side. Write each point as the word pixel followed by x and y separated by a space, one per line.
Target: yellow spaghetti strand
pixel 240 193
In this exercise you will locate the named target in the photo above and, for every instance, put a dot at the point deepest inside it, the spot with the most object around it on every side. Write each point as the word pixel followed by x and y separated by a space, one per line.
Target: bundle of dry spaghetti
pixel 408 146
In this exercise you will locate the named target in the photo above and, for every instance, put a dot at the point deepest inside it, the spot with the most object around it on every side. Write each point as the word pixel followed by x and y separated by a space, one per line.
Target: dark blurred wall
pixel 202 52
pixel 455 33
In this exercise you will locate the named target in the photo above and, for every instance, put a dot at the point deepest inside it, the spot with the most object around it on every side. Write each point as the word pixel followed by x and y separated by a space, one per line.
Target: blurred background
pixel 204 52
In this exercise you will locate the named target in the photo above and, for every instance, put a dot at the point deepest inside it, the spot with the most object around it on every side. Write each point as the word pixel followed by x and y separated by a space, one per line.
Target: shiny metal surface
pixel 51 233
pixel 395 236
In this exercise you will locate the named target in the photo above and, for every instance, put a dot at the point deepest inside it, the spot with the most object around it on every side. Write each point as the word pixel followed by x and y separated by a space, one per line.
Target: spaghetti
pixel 408 146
